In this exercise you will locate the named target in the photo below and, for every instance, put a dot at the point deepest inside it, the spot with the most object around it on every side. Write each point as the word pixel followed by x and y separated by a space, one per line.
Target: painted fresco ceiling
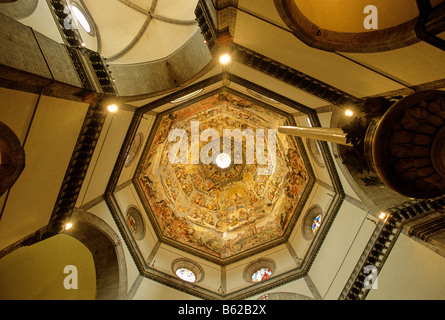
pixel 216 212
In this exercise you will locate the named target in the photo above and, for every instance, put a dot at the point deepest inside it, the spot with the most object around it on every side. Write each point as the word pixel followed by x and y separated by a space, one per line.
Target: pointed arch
pixel 107 251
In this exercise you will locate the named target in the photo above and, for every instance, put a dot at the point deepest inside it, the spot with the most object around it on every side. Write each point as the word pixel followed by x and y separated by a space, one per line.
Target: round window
pixel 131 223
pixel 186 274
pixel 312 222
pixel 316 223
pixel 261 274
pixel 187 270
pixel 315 151
pixel 259 270
pixel 135 223
pixel 81 18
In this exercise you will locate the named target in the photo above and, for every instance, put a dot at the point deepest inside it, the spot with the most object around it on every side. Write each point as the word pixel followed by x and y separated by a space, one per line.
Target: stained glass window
pixel 317 223
pixel 186 275
pixel 261 274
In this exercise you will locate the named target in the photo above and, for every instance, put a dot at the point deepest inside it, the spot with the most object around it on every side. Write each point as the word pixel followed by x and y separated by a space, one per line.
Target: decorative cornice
pixel 77 168
pixel 430 23
pixel 291 76
pixel 382 241
pixel 427 228
pixel 90 66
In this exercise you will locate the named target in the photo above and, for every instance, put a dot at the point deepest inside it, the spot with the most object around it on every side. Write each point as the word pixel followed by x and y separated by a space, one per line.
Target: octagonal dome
pixel 222 213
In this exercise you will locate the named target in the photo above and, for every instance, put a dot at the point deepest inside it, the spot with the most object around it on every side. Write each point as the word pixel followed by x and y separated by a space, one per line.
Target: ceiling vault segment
pixel 139 34
pixel 150 16
pixel 137 8
pixel 152 13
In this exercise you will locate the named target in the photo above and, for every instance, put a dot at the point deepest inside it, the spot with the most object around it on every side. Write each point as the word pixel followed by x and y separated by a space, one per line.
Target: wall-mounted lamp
pixel 349 113
pixel 225 59
pixel 68 226
pixel 383 215
pixel 112 108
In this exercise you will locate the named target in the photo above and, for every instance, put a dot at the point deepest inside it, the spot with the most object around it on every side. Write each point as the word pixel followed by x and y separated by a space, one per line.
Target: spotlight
pixel 349 113
pixel 223 160
pixel 225 58
pixel 112 108
pixel 382 216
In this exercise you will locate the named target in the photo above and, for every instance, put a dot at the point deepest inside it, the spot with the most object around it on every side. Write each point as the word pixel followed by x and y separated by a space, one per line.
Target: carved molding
pixel 382 241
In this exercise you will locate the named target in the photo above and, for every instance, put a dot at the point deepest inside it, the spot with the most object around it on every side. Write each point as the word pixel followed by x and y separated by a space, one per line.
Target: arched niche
pixel 39 271
pixel 12 158
pixel 108 254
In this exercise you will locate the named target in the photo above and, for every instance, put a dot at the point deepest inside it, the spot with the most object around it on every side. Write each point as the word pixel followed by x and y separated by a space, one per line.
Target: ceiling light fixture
pixel 225 59
pixel 382 216
pixel 80 17
pixel 349 113
pixel 68 226
pixel 223 160
pixel 113 108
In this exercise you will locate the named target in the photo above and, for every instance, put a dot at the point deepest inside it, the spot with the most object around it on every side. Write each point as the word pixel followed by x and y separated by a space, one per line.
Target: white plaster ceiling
pixel 136 31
